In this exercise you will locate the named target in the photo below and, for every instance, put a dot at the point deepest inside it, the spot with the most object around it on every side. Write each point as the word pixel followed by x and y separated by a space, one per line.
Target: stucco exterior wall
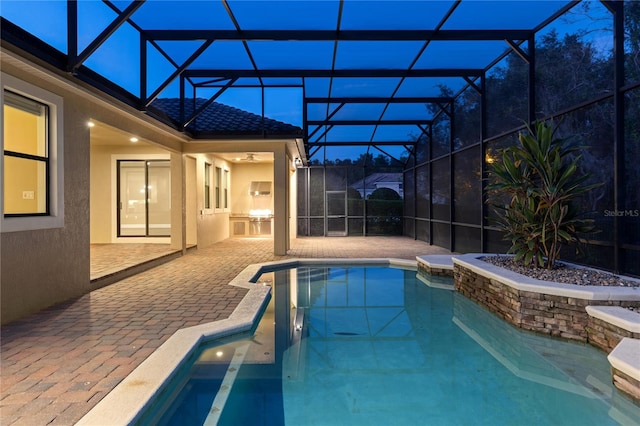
pixel 41 268
pixel 213 225
pixel 243 175
pixel 281 167
pixel 293 205
pixel 44 267
pixel 190 207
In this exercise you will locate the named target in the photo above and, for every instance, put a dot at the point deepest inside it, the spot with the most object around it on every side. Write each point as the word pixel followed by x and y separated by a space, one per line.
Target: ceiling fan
pixel 250 158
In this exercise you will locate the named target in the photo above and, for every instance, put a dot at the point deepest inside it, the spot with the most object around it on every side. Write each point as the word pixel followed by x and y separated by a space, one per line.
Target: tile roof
pixel 220 119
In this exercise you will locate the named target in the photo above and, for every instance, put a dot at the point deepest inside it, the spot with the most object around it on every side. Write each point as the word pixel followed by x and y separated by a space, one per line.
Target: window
pixel 218 183
pixel 225 186
pixel 26 158
pixel 222 189
pixel 207 185
pixel 32 193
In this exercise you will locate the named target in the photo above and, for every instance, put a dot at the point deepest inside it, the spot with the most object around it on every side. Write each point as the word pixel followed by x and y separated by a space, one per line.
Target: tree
pixel 384 211
pixel 632 40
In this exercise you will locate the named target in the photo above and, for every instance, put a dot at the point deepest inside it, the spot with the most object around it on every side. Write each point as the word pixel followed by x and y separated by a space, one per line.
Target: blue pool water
pixel 371 345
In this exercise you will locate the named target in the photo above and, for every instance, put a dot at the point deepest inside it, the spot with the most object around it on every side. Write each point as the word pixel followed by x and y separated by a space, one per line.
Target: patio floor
pixel 58 363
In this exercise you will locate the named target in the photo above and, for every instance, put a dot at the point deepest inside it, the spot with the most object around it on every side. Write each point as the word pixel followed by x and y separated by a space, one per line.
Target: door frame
pixel 327 216
pixel 114 198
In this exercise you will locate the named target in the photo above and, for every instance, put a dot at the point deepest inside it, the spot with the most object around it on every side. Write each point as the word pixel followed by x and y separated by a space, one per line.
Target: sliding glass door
pixel 144 198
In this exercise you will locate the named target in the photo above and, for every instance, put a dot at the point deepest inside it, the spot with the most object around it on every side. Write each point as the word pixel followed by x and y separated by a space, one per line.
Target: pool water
pixel 372 345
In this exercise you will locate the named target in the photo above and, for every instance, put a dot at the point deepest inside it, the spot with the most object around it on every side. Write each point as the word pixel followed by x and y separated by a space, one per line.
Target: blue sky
pixel 118 58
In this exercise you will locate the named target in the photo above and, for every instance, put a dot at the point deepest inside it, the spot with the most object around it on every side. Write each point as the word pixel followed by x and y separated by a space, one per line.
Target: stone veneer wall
pixel 439 272
pixel 559 316
pixel 606 336
pixel 626 384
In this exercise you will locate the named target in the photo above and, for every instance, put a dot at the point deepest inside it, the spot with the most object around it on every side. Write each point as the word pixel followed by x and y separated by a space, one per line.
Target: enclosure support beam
pixel 105 34
pixel 72 34
pixel 209 102
pixel 339 35
pixel 339 73
pixel 532 79
pixel 483 164
pixel 452 206
pixel 619 204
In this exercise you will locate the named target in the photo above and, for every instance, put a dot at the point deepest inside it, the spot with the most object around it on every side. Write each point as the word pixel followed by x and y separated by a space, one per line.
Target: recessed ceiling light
pixel 91 123
pixel 134 139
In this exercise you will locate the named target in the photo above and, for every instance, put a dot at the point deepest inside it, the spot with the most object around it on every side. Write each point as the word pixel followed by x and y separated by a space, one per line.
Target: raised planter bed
pixel 593 314
pixel 542 306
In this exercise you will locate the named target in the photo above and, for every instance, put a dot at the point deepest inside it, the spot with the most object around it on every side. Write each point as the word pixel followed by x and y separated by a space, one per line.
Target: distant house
pixel 379 180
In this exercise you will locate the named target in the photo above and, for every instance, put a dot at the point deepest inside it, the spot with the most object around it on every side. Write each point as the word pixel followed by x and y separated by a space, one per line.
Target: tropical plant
pixel 539 182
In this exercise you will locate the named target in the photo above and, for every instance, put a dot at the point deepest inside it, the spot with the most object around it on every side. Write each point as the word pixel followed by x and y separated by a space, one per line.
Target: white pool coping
pixel 618 316
pixel 625 357
pixel 127 401
pixel 437 261
pixel 520 282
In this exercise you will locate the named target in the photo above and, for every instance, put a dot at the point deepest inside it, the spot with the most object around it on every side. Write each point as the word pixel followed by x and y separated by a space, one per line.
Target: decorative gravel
pixel 562 273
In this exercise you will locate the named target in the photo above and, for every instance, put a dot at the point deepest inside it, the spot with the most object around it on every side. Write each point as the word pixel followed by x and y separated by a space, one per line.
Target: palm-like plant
pixel 541 181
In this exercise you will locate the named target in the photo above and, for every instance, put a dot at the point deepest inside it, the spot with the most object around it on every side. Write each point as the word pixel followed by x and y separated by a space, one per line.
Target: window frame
pixel 218 191
pixel 225 188
pixel 55 148
pixel 207 185
pixel 38 159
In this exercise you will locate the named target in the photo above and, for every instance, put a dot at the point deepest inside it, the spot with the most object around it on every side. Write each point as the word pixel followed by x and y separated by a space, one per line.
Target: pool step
pixel 227 384
pixel 436 264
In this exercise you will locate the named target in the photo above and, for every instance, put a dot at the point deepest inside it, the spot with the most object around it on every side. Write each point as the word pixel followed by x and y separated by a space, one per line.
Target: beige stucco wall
pixel 44 267
pixel 191 201
pixel 213 224
pixel 243 175
pixel 281 166
pixel 284 151
pixel 40 268
pixel 293 205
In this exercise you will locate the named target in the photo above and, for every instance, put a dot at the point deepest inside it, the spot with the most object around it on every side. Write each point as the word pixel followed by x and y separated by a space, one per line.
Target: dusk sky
pixel 118 57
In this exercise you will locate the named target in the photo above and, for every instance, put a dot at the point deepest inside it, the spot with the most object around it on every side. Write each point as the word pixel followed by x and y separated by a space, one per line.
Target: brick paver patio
pixel 58 363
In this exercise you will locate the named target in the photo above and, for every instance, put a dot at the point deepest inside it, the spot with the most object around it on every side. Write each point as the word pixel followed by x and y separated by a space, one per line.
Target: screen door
pixel 336 224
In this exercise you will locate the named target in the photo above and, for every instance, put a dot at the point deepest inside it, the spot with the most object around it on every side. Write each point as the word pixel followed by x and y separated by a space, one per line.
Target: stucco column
pixel 177 202
pixel 280 201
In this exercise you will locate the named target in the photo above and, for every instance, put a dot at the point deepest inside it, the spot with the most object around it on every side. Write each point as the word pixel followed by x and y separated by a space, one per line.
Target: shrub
pixel 539 179
pixel 384 212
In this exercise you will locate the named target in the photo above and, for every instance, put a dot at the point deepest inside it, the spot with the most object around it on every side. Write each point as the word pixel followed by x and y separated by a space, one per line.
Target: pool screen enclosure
pixel 430 89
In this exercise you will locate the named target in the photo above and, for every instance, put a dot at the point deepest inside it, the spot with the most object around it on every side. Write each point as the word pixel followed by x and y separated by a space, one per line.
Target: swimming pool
pixel 367 344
